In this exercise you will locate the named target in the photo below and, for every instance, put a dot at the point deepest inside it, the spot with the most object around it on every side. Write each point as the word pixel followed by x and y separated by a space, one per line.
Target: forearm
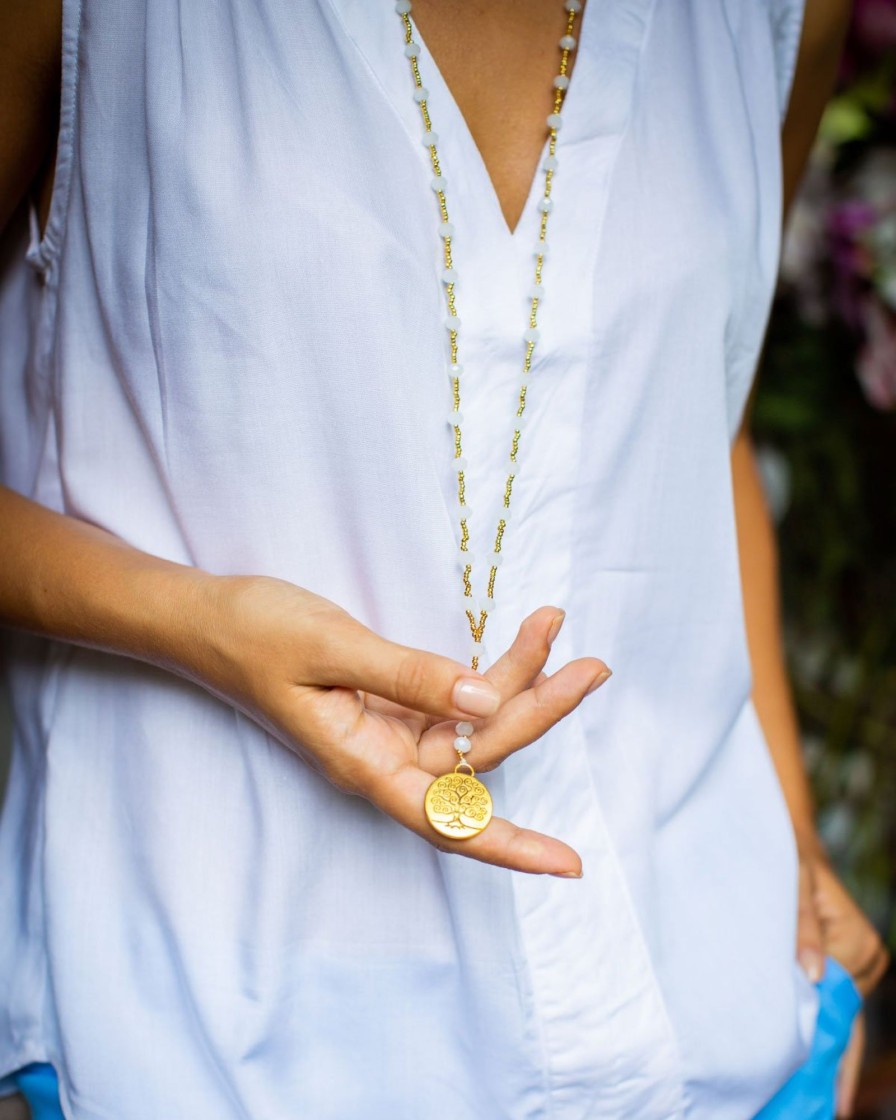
pixel 772 695
pixel 66 579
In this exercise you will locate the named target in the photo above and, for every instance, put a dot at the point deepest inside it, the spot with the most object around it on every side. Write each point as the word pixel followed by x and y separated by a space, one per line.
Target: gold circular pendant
pixel 458 806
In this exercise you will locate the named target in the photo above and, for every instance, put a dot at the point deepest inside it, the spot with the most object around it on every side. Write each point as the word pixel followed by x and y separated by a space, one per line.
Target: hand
pixel 831 924
pixel 377 718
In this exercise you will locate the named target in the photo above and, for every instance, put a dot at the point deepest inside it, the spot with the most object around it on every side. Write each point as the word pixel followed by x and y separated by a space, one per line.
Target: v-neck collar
pixel 496 264
pixel 429 66
pixel 375 29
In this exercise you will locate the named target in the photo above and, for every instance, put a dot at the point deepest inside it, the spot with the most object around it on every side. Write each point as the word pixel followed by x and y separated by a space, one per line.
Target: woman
pixel 229 356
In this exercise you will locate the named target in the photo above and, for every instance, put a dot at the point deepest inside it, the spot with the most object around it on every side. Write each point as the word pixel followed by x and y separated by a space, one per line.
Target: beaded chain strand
pixel 531 335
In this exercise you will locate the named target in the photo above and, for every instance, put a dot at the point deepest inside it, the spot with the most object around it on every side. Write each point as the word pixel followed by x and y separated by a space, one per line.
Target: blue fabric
pixel 811 1093
pixel 38 1085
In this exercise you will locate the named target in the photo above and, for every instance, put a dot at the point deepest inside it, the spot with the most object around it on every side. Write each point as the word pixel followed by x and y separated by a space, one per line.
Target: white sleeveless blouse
pixel 228 349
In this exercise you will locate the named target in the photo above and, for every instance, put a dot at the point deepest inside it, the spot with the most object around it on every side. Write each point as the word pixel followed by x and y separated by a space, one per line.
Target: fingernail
pixel 568 874
pixel 812 963
pixel 603 675
pixel 555 627
pixel 476 698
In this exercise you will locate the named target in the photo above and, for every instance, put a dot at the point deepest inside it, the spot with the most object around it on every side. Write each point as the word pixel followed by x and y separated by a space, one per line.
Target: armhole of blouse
pixel 787 27
pixel 44 249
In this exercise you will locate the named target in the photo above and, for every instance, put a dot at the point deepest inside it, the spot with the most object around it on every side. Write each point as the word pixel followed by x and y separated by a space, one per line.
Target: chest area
pixel 507 66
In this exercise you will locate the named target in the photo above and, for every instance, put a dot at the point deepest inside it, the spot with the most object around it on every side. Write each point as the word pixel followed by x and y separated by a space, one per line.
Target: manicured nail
pixel 555 627
pixel 568 874
pixel 603 675
pixel 476 698
pixel 812 963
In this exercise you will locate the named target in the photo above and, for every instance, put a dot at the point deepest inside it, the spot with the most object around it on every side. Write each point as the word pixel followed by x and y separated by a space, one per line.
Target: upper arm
pixel 30 53
pixel 825 24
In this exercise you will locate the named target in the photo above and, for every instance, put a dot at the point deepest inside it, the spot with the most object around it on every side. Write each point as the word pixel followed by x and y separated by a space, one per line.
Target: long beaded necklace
pixel 457 804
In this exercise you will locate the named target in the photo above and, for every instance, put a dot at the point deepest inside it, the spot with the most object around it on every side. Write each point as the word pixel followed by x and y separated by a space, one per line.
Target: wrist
pixel 184 620
pixel 226 631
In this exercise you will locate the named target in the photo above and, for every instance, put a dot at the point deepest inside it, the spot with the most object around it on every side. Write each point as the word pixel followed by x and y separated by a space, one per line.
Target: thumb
pixel 809 934
pixel 356 657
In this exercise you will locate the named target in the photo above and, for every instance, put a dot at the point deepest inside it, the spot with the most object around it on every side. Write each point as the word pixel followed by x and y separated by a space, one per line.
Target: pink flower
pixel 848 221
pixel 876 365
pixel 872 36
pixel 874 25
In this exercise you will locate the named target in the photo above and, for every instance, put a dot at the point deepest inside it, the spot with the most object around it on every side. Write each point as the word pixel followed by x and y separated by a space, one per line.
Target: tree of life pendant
pixel 458 805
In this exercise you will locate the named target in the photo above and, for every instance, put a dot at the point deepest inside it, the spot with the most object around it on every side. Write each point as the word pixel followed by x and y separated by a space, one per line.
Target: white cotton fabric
pixel 228 349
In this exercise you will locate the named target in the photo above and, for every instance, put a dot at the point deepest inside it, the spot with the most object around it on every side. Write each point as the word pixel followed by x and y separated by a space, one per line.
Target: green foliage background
pixel 838 573
pixel 838 453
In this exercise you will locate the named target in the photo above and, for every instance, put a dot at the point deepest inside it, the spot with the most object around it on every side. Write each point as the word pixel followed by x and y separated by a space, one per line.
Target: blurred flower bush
pixel 825 425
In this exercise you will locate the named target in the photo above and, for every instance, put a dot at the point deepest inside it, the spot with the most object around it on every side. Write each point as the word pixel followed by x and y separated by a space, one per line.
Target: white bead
pixel 541 249
pixel 430 139
pixel 512 466
pixel 573 5
pixel 464 727
pixel 403 7
pixel 536 291
pixel 477 650
pixel 455 371
pixel 460 463
pixel 488 605
pixel 439 183
pixel 546 205
pixel 506 516
pixel 550 163
pixel 522 421
pixel 561 82
pixel 446 230
pixel 452 322
pixel 496 559
pixel 568 43
pixel 555 121
pixel 411 49
pixel 464 513
pixel 532 334
pixel 465 557
pixel 455 419
pixel 449 276
pixel 462 744
pixel 420 94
